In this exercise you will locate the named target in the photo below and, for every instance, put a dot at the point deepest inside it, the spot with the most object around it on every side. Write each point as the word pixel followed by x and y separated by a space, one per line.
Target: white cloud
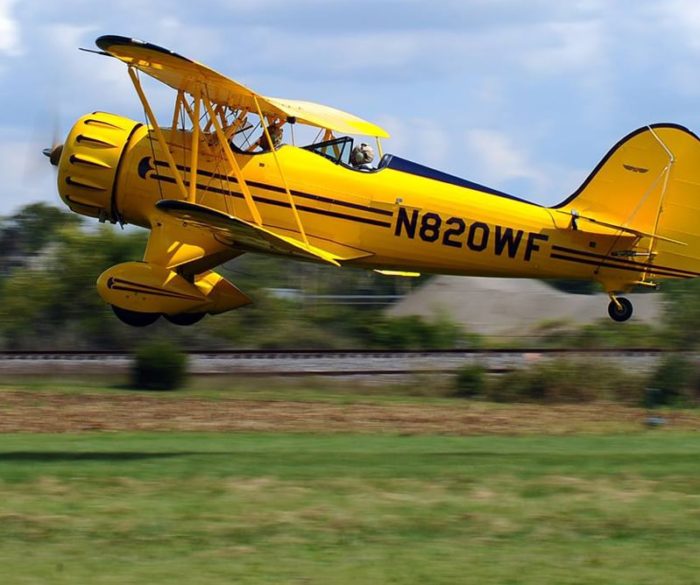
pixel 27 174
pixel 502 164
pixel 571 44
pixel 544 82
pixel 433 142
pixel 9 30
pixel 568 46
pixel 69 82
pixel 188 39
pixel 682 16
pixel 499 159
pixel 419 139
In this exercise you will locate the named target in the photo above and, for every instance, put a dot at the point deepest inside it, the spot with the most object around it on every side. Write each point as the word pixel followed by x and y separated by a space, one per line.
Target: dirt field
pixel 29 411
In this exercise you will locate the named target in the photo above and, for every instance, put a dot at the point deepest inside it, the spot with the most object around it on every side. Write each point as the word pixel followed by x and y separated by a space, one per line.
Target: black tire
pixel 135 318
pixel 621 313
pixel 185 319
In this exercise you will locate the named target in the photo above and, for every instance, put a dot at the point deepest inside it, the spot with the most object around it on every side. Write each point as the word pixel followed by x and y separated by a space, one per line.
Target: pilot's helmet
pixel 362 155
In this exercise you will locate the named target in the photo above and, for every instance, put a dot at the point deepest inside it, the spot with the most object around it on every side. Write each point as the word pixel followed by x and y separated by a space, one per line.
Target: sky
pixel 524 96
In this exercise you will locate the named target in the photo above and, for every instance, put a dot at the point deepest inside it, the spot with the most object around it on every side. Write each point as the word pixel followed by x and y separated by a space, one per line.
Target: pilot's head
pixel 362 154
pixel 276 133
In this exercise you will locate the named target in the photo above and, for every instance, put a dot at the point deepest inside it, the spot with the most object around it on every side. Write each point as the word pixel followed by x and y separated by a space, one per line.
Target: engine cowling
pixel 90 161
pixel 147 288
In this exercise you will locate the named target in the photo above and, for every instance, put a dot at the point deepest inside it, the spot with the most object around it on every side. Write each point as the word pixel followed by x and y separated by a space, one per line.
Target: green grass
pixel 320 509
pixel 414 389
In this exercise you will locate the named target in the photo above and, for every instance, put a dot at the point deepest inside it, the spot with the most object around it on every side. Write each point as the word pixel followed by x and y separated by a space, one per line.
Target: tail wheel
pixel 135 318
pixel 622 312
pixel 185 319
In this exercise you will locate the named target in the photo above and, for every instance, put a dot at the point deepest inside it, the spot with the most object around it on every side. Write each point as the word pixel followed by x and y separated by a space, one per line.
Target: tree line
pixel 51 259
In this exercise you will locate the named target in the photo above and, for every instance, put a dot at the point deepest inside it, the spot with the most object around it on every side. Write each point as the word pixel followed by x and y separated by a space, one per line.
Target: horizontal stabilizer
pixel 244 235
pixel 576 217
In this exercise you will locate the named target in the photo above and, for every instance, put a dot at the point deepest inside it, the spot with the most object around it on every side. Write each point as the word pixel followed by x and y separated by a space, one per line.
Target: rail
pixel 350 362
pixel 330 353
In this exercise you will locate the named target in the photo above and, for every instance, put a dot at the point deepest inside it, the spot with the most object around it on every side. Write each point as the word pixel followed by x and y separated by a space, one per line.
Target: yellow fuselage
pixel 392 219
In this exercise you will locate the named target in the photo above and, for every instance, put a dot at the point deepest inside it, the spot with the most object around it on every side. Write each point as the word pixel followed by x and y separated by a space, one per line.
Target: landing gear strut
pixel 619 309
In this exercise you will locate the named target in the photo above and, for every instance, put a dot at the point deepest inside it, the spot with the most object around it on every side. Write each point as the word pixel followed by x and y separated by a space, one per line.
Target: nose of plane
pixel 54 154
pixel 88 163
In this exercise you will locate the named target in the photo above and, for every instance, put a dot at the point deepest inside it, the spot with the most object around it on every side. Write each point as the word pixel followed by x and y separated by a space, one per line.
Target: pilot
pixel 275 131
pixel 362 156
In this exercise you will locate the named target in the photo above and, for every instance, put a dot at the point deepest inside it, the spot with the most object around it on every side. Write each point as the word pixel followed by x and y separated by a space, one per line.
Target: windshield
pixel 338 150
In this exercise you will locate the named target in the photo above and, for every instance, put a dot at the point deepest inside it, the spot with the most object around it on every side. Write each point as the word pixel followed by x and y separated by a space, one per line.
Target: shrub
pixel 413 332
pixel 565 381
pixel 470 381
pixel 158 365
pixel 672 381
pixel 534 384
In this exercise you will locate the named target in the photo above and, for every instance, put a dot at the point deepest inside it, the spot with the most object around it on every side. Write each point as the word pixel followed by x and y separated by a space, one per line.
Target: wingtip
pixel 105 42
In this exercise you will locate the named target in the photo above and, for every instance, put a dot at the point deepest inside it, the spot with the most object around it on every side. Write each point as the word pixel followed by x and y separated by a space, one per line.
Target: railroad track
pixel 321 362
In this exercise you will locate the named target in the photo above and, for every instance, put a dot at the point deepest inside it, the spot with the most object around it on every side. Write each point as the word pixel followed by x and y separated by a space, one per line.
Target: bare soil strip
pixel 37 412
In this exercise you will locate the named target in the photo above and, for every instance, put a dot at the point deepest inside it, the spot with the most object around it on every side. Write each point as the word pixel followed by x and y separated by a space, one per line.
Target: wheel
pixel 621 313
pixel 185 319
pixel 135 318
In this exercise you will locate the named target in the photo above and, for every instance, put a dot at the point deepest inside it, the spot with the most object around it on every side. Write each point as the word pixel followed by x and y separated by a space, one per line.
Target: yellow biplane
pixel 219 181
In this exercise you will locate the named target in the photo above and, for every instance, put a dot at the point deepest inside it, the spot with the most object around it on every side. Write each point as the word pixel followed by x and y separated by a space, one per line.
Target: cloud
pixel 682 16
pixel 26 173
pixel 549 48
pixel 419 139
pixel 9 30
pixel 568 47
pixel 390 41
pixel 502 164
pixel 500 159
pixel 464 16
pixel 520 92
pixel 66 82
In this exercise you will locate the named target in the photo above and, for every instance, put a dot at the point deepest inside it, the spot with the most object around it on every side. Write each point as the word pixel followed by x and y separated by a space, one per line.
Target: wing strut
pixel 195 149
pixel 666 174
pixel 279 170
pixel 159 134
pixel 232 161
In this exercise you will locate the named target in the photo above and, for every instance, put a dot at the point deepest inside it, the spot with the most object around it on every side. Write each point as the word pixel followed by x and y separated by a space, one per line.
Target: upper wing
pixel 184 74
pixel 325 117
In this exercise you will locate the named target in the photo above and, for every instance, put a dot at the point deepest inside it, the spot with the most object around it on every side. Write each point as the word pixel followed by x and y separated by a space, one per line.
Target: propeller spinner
pixel 54 154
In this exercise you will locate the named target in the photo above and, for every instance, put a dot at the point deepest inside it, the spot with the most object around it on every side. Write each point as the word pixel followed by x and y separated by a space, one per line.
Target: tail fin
pixel 649 185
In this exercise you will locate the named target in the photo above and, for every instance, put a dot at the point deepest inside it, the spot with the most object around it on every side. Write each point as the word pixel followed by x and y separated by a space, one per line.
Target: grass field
pixel 303 508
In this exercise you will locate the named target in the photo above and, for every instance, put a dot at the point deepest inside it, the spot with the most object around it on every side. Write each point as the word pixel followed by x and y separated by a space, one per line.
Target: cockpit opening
pixel 336 150
pixel 344 151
